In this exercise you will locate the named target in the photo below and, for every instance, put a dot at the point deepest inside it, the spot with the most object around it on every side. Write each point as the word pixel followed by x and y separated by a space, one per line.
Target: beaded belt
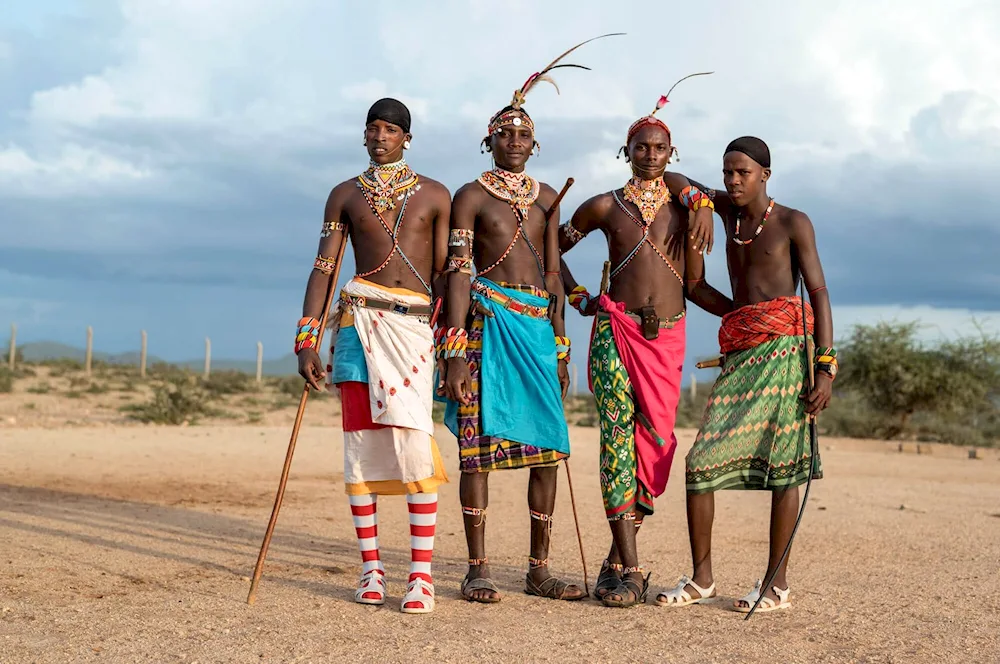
pixel 510 303
pixel 395 307
pixel 665 323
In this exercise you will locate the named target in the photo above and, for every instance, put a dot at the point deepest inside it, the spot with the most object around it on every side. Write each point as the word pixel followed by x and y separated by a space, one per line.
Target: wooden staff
pixel 569 476
pixel 331 289
pixel 709 364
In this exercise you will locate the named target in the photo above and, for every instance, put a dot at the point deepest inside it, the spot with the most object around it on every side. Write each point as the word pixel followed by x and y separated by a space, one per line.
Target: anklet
pixel 535 563
pixel 478 562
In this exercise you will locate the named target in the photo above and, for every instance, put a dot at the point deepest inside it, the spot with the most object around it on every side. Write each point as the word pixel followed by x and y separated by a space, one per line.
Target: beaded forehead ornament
pixel 513 115
pixel 652 120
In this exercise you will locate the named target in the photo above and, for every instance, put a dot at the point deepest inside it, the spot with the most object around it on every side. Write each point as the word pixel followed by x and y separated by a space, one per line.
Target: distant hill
pixel 41 351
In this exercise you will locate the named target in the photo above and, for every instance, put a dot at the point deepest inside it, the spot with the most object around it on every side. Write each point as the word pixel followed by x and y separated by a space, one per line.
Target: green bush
pixel 173 403
pixel 225 383
pixel 6 380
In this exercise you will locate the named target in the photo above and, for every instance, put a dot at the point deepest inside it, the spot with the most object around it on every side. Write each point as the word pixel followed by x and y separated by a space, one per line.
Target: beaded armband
pixel 694 199
pixel 826 361
pixel 451 342
pixel 572 234
pixel 325 264
pixel 461 264
pixel 460 237
pixel 579 298
pixel 330 227
pixel 562 348
pixel 306 334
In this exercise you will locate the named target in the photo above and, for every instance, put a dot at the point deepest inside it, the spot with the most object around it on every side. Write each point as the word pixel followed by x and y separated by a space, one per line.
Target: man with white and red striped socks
pixel 423 520
pixel 382 346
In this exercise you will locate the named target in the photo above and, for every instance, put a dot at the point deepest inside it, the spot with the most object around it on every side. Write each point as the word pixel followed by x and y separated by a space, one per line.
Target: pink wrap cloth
pixel 654 368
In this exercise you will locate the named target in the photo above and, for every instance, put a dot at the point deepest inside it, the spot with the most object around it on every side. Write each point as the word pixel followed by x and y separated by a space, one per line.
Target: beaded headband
pixel 513 114
pixel 651 119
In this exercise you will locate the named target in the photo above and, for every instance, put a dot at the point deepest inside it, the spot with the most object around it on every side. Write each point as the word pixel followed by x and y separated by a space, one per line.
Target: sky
pixel 164 164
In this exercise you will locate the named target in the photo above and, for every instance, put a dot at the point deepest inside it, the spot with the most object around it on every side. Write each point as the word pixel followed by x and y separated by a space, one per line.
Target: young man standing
pixel 382 358
pixel 755 434
pixel 507 355
pixel 638 340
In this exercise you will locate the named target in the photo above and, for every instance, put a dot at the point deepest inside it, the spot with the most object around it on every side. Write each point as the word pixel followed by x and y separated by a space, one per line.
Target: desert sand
pixel 136 544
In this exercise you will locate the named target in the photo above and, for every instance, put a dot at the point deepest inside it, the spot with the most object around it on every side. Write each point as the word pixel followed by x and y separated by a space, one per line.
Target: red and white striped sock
pixel 364 509
pixel 423 520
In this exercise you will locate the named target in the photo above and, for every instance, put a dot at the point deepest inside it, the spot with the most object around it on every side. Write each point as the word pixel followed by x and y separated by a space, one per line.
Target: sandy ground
pixel 135 544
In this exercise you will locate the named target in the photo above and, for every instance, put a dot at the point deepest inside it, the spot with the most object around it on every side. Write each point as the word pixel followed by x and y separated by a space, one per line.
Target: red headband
pixel 647 121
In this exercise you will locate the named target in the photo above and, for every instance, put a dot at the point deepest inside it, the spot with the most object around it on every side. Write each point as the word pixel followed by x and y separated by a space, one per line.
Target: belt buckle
pixel 400 308
pixel 357 300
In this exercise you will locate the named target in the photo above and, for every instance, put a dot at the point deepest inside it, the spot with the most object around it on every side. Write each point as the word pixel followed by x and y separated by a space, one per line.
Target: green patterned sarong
pixel 615 398
pixel 754 434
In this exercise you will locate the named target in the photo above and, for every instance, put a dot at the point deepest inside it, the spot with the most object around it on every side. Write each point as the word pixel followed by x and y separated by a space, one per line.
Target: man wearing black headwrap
pixel 382 362
pixel 754 434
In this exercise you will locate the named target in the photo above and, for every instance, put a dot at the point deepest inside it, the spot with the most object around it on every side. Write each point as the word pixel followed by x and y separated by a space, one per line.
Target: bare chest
pixel 410 217
pixel 498 223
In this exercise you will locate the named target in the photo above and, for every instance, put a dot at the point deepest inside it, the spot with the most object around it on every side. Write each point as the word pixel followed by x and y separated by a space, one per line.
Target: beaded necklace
pixel 736 235
pixel 648 196
pixel 386 183
pixel 518 189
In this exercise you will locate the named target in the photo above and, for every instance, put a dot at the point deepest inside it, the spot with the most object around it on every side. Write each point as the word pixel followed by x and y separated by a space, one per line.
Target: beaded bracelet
pixel 306 334
pixel 562 348
pixel 826 361
pixel 694 199
pixel 579 298
pixel 451 342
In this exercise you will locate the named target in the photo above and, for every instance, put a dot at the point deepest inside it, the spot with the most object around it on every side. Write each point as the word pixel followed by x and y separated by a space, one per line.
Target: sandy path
pixel 134 545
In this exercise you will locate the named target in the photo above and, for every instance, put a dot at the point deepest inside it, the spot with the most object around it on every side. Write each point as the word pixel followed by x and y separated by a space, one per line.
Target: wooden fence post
pixel 208 357
pixel 694 388
pixel 13 346
pixel 260 361
pixel 573 386
pixel 88 361
pixel 142 356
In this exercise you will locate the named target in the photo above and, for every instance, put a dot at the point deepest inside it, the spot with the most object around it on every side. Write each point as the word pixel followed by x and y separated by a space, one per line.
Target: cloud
pixel 190 145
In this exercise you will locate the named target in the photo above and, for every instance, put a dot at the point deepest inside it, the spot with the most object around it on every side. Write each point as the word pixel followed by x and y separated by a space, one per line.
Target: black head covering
pixel 392 111
pixel 752 147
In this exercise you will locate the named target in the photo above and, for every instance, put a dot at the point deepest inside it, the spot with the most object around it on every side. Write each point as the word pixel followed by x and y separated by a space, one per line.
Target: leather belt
pixel 393 306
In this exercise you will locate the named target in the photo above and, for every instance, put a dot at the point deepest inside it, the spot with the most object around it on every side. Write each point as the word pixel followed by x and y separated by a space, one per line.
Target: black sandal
pixel 608 580
pixel 628 586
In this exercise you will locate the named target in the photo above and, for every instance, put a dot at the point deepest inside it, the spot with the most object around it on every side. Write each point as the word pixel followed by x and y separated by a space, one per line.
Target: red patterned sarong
pixel 754 324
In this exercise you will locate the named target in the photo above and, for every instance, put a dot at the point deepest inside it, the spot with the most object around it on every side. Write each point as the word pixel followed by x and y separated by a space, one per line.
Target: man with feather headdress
pixel 638 340
pixel 506 348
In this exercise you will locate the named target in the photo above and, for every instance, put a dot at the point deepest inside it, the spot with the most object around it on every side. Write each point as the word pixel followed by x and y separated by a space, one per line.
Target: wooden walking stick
pixel 569 476
pixel 331 289
pixel 813 449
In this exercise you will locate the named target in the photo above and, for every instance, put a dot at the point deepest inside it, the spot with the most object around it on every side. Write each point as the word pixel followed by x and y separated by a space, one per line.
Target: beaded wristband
pixel 826 361
pixel 451 342
pixel 306 334
pixel 694 199
pixel 579 298
pixel 562 348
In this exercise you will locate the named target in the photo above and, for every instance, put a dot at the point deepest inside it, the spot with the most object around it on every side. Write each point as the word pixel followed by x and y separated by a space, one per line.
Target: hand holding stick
pixel 259 568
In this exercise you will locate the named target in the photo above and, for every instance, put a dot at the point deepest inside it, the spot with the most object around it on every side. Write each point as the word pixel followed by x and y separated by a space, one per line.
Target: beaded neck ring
pixel 387 183
pixel 736 233
pixel 651 119
pixel 513 114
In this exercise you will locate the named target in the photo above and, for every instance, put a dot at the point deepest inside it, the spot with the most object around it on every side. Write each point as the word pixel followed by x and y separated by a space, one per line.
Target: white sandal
pixel 680 597
pixel 418 592
pixel 766 604
pixel 372 581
